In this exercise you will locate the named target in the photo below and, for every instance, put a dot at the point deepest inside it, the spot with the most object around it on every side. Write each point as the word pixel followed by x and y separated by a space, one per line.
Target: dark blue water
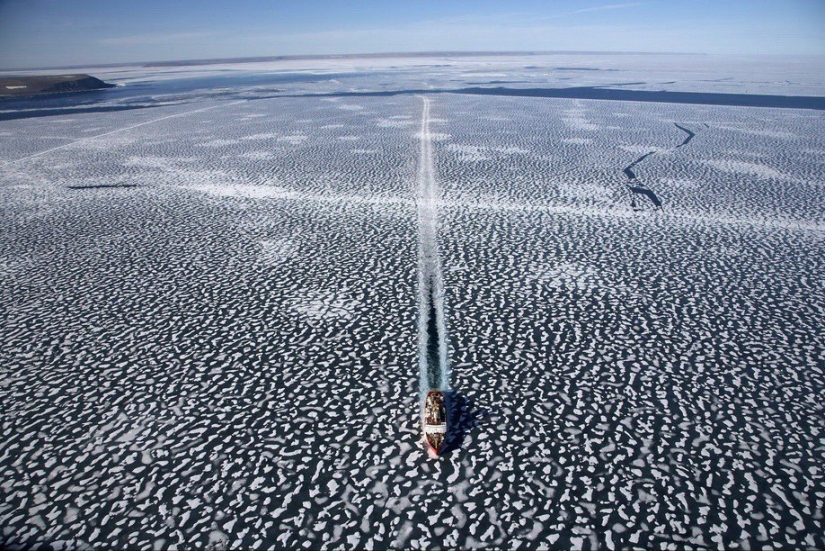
pixel 151 93
pixel 655 96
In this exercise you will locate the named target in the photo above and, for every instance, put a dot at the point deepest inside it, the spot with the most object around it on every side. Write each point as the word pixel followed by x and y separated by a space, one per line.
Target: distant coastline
pixel 21 86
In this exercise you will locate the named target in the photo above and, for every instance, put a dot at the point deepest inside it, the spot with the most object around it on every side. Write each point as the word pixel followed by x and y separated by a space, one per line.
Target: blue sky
pixel 49 33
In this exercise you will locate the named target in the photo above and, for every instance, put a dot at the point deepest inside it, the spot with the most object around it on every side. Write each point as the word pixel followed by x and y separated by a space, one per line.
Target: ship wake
pixel 434 369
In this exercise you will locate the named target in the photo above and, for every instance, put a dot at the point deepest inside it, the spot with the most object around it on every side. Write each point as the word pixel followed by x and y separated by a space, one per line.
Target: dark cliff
pixel 48 84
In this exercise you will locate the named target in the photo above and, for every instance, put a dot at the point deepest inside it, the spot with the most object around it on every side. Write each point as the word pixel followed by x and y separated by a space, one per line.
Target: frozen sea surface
pixel 210 309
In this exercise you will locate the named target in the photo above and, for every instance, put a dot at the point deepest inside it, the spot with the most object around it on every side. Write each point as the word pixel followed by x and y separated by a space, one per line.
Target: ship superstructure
pixel 435 420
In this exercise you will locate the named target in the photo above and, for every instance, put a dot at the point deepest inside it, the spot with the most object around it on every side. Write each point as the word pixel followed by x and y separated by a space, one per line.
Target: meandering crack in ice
pixel 628 170
pixel 690 135
pixel 434 369
pixel 631 175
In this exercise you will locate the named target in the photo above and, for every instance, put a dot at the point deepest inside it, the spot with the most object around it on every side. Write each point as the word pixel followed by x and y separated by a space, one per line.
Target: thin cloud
pixel 609 7
pixel 141 39
pixel 521 18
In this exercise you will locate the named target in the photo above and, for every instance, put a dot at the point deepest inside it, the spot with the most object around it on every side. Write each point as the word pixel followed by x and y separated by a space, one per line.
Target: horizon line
pixel 378 55
pixel 364 55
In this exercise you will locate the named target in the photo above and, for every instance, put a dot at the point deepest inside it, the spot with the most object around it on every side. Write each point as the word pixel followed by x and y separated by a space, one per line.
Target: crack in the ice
pixel 690 134
pixel 628 171
pixel 643 190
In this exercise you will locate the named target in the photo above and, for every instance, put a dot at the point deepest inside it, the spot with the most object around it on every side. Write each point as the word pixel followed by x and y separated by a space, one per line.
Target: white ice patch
pixel 433 136
pixel 642 149
pixel 295 139
pixel 214 182
pixel 682 183
pixel 394 122
pixel 573 275
pixel 10 266
pixel 585 190
pixel 777 134
pixel 475 153
pixel 576 120
pixel 258 155
pixel 568 274
pixel 262 136
pixel 577 141
pixel 218 539
pixel 742 167
pixel 275 251
pixel 469 153
pixel 151 161
pixel 325 305
pixel 130 435
pixel 245 190
pixel 217 143
pixel 350 107
pixel 511 150
pixel 482 74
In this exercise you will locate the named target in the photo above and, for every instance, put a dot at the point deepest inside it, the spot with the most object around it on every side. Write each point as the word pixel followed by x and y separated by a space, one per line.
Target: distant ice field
pixel 210 317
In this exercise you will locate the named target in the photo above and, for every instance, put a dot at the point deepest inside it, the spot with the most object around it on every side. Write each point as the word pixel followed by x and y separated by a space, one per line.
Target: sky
pixel 57 33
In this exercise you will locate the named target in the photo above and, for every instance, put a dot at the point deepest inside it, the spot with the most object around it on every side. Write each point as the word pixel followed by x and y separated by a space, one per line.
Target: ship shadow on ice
pixel 464 418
